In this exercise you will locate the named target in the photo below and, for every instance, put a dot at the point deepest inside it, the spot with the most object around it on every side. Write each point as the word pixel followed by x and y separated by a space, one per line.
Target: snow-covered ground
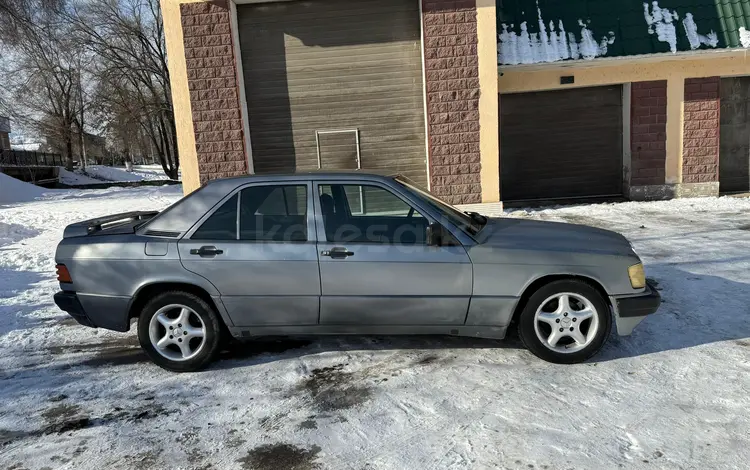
pixel 673 395
pixel 101 174
pixel 76 177
pixel 13 190
pixel 139 173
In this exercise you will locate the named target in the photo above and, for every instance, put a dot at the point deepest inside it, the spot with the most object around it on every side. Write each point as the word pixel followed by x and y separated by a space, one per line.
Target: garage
pixel 561 144
pixel 734 151
pixel 334 84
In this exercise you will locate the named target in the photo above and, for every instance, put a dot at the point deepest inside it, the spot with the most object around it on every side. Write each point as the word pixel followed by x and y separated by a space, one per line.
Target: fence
pixel 28 158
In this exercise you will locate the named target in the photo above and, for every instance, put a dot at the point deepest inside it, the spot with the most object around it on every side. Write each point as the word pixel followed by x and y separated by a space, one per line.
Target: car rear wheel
pixel 565 322
pixel 179 331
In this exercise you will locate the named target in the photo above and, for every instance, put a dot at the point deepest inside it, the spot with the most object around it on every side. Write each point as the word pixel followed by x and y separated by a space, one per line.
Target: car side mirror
pixel 477 217
pixel 434 234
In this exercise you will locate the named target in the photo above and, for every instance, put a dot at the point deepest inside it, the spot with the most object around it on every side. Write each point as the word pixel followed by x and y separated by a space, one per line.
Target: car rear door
pixel 375 265
pixel 258 247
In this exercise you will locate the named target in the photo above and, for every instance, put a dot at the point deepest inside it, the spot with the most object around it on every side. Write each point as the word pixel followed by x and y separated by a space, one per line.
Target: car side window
pixel 274 213
pixel 221 225
pixel 369 214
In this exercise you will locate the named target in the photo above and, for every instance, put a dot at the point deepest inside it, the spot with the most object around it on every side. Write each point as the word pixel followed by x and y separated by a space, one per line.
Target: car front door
pixel 376 267
pixel 258 247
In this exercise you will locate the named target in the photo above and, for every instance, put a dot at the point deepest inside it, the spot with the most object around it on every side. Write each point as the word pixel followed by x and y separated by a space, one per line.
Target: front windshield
pixel 460 219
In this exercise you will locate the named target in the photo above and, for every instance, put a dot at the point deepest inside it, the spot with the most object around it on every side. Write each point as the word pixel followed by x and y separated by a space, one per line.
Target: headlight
pixel 637 276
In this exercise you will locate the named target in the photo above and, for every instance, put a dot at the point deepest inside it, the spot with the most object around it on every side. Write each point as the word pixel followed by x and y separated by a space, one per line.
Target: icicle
pixel 574 53
pixel 525 54
pixel 562 42
pixel 507 51
pixel 554 50
pixel 588 46
pixel 536 48
pixel 544 52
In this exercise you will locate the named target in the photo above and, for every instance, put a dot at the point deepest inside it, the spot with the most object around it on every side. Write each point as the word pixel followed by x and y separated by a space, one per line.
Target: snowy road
pixel 673 395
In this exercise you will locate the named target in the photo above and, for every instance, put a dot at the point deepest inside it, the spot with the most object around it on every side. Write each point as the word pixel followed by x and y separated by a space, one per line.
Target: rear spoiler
pixel 88 227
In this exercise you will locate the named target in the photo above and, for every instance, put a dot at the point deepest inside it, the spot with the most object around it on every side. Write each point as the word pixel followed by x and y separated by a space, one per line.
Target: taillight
pixel 62 274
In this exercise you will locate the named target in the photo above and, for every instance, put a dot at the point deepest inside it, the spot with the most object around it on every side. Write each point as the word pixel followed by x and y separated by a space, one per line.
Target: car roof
pixel 310 174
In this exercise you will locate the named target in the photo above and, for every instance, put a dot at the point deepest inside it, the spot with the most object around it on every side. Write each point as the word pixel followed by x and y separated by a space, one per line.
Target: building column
pixel 489 117
pixel 675 95
pixel 205 91
pixel 700 163
pixel 452 84
pixel 648 139
pixel 214 94
pixel 183 118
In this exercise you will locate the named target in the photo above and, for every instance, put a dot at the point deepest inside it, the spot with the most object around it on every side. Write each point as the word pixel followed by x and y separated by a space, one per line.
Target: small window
pixel 274 213
pixel 369 214
pixel 222 225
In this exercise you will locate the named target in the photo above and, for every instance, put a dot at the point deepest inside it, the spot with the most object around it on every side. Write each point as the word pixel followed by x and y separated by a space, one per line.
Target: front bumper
pixel 632 309
pixel 97 311
pixel 68 302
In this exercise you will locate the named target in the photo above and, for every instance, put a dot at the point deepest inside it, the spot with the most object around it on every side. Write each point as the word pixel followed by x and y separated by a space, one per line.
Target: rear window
pixel 222 225
pixel 274 213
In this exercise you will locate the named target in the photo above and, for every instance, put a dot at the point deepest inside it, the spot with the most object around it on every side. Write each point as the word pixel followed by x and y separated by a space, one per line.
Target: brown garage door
pixel 734 155
pixel 334 65
pixel 561 144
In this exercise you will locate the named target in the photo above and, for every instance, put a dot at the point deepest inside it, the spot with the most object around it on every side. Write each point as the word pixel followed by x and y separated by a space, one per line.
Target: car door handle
pixel 337 252
pixel 206 251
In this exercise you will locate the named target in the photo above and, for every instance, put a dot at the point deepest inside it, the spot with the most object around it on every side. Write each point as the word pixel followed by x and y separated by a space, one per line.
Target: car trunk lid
pixel 122 223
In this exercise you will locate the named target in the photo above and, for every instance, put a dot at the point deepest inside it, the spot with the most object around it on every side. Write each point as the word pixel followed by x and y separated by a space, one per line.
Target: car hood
pixel 552 236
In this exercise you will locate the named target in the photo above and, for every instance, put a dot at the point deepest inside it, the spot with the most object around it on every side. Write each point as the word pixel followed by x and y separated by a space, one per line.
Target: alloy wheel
pixel 177 332
pixel 566 322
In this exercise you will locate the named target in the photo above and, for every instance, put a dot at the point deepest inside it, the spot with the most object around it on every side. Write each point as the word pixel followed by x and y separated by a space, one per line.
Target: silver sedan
pixel 345 253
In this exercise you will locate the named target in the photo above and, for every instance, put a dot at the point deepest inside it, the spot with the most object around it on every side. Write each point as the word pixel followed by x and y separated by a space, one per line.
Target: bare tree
pixel 41 69
pixel 128 38
pixel 88 101
pixel 70 63
pixel 123 118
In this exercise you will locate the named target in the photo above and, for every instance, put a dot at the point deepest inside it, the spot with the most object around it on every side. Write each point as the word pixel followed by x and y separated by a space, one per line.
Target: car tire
pixel 179 316
pixel 581 325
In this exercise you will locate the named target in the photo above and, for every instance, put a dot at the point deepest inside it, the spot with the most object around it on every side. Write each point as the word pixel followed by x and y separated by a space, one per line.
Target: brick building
pixel 285 86
pixel 479 100
pixel 641 100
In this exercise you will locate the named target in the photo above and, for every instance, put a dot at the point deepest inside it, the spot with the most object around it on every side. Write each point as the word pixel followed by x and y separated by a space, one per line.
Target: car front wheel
pixel 179 331
pixel 565 322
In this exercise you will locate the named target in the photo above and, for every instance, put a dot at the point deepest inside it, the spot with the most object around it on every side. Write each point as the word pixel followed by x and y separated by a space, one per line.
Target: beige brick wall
pixel 451 73
pixel 214 97
pixel 700 155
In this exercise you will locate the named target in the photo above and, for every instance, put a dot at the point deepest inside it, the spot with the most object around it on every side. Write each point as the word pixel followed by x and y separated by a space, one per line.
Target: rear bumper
pixel 68 302
pixel 96 311
pixel 631 310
